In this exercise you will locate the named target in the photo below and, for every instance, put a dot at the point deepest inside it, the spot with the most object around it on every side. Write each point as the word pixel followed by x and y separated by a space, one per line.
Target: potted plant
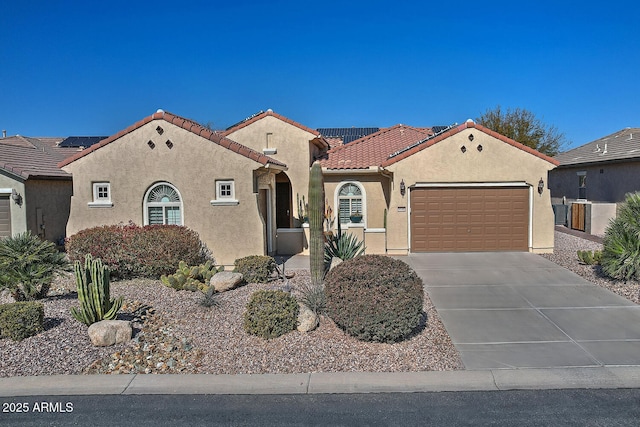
pixel 356 217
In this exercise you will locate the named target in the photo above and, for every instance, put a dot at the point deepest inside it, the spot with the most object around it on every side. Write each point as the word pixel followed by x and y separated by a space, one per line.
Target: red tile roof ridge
pixel 188 125
pixel 468 124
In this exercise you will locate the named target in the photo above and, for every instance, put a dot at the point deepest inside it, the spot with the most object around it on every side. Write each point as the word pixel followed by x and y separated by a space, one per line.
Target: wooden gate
pixel 578 216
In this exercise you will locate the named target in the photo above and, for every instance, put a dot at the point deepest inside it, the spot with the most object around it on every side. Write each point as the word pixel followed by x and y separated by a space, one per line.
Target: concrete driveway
pixel 519 310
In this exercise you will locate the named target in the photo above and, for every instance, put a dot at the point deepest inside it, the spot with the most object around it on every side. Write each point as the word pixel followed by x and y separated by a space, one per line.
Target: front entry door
pixel 283 205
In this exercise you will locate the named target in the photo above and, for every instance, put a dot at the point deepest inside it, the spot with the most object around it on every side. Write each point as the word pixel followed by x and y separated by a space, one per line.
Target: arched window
pixel 349 202
pixel 163 205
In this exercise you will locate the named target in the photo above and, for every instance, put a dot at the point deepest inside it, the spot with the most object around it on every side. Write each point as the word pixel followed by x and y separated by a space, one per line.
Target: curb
pixel 324 382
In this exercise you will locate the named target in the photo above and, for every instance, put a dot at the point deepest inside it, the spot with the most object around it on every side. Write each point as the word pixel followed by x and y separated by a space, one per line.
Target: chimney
pixel 4 133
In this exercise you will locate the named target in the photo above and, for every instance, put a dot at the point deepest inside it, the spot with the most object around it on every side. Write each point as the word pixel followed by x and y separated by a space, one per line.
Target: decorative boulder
pixel 307 319
pixel 334 262
pixel 110 332
pixel 225 280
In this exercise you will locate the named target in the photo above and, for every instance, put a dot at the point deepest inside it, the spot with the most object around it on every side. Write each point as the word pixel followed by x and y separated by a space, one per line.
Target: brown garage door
pixel 5 217
pixel 469 219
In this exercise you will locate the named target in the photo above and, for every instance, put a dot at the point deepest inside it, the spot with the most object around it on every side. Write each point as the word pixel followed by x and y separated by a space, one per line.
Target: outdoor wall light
pixel 17 198
pixel 540 186
pixel 403 188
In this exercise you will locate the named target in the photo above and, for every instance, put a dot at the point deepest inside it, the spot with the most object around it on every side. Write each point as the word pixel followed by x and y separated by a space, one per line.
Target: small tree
pixel 28 266
pixel 524 127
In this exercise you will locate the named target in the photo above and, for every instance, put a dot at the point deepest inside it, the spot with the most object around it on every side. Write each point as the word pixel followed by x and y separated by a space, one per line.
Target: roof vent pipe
pixel 4 133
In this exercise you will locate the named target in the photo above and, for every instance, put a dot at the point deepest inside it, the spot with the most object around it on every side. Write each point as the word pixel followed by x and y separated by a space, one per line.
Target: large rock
pixel 335 261
pixel 307 319
pixel 110 332
pixel 225 280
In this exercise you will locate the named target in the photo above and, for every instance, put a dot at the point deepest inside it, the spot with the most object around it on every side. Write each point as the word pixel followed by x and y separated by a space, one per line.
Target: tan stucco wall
pixel 192 165
pixel 47 205
pixel 50 197
pixel 293 149
pixel 444 162
pixel 18 213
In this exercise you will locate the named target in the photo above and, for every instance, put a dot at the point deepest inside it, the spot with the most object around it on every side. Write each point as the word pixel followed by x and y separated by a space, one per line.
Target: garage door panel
pixel 469 219
pixel 5 217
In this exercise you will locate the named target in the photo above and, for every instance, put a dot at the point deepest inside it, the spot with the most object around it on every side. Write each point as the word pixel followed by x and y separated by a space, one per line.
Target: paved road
pixel 504 408
pixel 519 310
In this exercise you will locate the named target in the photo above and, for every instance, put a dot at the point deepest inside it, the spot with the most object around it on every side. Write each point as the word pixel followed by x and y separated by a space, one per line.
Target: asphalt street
pixel 576 407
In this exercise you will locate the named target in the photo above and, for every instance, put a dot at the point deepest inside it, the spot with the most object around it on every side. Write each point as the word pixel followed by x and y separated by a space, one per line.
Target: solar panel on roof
pixel 80 141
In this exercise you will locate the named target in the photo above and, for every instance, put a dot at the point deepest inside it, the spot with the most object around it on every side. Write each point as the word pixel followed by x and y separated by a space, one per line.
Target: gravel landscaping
pixel 179 335
pixel 564 255
pixel 174 333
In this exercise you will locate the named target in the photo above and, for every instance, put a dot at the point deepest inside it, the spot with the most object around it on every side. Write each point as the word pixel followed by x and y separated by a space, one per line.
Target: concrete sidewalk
pixel 323 383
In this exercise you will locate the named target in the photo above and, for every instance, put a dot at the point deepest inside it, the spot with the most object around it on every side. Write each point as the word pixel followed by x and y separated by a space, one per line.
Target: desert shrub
pixel 28 265
pixel 621 253
pixel 134 251
pixel 20 320
pixel 270 314
pixel 255 268
pixel 374 298
pixel 190 278
pixel 344 246
pixel 94 293
pixel 313 296
pixel 590 257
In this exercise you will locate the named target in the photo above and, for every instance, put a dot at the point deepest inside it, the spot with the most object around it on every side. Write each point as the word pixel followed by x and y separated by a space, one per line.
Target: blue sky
pixel 94 68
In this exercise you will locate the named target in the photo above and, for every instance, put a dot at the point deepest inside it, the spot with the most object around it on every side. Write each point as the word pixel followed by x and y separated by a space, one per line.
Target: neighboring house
pixel 34 193
pixel 462 188
pixel 597 176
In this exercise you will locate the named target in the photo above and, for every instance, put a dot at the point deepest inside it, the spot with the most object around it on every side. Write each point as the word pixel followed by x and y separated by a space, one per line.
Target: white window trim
pixel 221 200
pixel 336 204
pixel 101 202
pixel 145 204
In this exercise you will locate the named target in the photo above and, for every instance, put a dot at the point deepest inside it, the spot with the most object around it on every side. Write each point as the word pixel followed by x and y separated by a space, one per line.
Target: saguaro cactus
pixel 316 217
pixel 92 282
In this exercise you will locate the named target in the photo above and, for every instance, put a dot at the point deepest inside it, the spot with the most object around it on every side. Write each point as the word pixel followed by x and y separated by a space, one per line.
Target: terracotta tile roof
pixel 619 146
pixel 318 139
pixel 373 149
pixel 189 125
pixel 33 157
pixel 408 151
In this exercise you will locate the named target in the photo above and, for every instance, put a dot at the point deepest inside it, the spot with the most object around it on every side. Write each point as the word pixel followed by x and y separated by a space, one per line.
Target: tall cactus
pixel 92 282
pixel 316 218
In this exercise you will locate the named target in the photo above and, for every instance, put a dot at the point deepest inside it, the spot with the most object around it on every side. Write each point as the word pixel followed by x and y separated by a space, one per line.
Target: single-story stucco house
pixel 34 193
pixel 464 188
pixel 592 179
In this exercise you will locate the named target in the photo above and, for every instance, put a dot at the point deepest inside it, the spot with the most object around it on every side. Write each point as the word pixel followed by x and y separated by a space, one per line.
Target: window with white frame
pixel 350 202
pixel 163 205
pixel 101 195
pixel 225 193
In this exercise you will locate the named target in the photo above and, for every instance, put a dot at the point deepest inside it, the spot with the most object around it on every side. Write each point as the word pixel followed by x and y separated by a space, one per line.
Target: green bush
pixel 20 320
pixel 134 251
pixel 590 257
pixel 28 265
pixel 375 298
pixel 621 253
pixel 255 268
pixel 270 314
pixel 191 278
